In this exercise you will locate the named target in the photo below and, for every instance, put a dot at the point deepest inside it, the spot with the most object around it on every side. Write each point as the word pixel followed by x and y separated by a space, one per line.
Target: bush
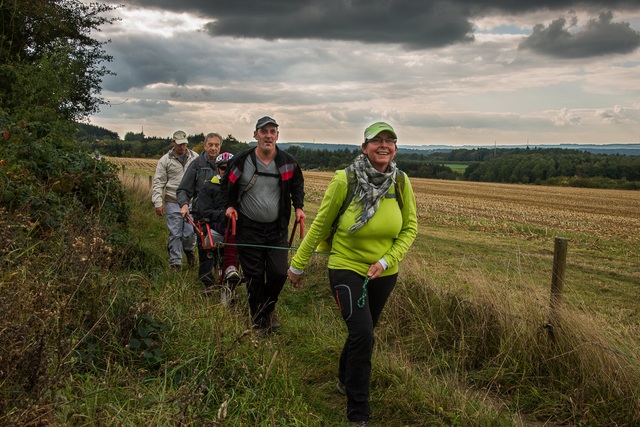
pixel 49 180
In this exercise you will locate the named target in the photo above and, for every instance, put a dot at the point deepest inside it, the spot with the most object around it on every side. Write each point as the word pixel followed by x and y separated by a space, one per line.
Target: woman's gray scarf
pixel 371 186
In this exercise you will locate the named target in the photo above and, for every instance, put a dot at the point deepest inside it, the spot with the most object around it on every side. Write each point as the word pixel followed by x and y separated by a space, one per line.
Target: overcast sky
pixel 453 72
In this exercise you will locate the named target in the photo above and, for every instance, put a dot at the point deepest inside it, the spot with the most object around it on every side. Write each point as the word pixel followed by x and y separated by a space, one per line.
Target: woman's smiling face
pixel 380 150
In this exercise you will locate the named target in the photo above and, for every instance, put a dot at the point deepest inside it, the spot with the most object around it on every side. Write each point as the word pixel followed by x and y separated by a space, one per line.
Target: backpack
pixel 325 244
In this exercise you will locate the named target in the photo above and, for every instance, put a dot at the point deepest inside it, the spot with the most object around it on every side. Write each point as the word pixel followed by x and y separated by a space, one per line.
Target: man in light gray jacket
pixel 169 172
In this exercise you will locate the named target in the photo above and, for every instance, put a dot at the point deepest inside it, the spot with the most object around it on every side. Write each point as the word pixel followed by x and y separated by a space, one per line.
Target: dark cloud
pixel 411 23
pixel 150 62
pixel 405 22
pixel 598 37
pixel 520 6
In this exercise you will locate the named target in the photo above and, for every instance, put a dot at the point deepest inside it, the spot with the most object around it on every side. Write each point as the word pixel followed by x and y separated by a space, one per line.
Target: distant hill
pixel 91 133
pixel 625 149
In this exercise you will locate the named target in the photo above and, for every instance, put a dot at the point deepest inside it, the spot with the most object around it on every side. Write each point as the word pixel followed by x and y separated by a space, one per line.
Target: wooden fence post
pixel 557 281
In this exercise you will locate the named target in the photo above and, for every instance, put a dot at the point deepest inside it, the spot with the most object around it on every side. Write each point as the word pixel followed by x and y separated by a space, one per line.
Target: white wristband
pixel 295 270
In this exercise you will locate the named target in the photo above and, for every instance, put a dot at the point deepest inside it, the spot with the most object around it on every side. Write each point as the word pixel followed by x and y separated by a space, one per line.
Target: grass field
pixel 462 341
pixel 456 167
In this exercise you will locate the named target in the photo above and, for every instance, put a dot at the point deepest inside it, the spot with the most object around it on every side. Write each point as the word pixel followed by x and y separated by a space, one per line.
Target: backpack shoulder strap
pixel 254 177
pixel 351 181
pixel 198 165
pixel 399 187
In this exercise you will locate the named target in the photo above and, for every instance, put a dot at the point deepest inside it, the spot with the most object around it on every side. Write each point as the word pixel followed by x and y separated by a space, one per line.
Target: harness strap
pixel 256 173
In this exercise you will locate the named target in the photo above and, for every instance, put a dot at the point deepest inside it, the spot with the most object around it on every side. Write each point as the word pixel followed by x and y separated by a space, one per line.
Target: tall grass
pixel 461 342
pixel 499 340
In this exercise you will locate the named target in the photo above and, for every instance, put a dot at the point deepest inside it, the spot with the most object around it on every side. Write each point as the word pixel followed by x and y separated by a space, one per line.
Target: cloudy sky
pixel 453 72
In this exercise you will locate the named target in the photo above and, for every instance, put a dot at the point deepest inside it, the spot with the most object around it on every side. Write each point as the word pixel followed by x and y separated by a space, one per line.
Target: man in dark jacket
pixel 201 171
pixel 261 185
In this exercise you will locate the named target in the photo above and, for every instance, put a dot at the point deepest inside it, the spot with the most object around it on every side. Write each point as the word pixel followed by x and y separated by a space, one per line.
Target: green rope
pixel 292 248
pixel 361 300
pixel 286 248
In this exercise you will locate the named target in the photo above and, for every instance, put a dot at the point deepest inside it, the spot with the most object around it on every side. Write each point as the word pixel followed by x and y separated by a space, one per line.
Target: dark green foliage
pixel 64 234
pixel 559 167
pixel 90 134
pixel 513 165
pixel 232 145
pixel 415 165
pixel 51 68
pixel 48 179
pixel 146 339
pixel 323 159
pixel 143 147
pixel 425 169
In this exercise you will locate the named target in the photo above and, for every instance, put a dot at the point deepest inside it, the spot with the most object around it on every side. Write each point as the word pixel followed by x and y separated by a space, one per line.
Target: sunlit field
pixel 526 211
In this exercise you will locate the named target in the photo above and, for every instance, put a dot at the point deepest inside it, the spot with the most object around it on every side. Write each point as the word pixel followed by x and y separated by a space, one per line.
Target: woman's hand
pixel 296 279
pixel 375 270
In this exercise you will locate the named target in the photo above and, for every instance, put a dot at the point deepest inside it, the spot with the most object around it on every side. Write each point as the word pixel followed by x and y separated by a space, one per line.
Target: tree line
pixel 540 166
pixel 558 167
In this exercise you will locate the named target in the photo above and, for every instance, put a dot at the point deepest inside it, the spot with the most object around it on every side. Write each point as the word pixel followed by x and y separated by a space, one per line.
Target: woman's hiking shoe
pixel 341 388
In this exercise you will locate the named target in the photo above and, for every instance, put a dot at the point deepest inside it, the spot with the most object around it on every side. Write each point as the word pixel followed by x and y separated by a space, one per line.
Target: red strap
pixel 192 223
pixel 234 217
pixel 293 233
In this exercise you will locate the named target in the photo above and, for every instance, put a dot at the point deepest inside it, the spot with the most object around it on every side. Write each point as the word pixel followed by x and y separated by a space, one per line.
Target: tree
pixel 131 136
pixel 50 76
pixel 50 66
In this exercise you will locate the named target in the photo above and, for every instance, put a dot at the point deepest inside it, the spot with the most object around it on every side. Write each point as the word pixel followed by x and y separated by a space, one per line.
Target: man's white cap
pixel 180 137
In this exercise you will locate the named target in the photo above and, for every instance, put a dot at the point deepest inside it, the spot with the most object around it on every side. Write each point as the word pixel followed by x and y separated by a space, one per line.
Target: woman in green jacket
pixel 371 236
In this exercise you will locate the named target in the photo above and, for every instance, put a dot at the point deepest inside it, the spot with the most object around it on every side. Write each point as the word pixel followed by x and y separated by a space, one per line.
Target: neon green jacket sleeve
pixel 331 203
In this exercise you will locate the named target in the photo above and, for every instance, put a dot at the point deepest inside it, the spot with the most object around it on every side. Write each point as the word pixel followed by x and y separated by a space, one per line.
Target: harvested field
pixel 525 210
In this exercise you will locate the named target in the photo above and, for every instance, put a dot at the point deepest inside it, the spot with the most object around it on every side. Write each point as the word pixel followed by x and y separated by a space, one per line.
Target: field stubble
pixel 596 213
pixel 513 227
